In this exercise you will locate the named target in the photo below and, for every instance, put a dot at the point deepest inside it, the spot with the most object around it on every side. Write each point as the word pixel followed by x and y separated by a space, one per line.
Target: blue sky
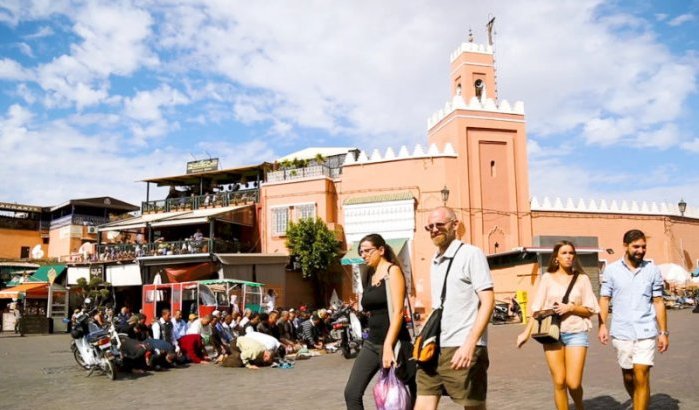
pixel 96 95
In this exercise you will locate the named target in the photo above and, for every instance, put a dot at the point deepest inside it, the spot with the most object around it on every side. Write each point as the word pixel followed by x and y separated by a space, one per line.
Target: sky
pixel 98 95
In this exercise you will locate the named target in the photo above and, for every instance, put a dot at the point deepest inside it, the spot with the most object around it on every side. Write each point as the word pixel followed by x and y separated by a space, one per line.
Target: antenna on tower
pixel 489 26
pixel 491 42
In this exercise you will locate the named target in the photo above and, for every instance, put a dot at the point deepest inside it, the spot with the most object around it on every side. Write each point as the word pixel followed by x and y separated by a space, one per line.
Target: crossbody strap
pixel 444 285
pixel 407 300
pixel 570 287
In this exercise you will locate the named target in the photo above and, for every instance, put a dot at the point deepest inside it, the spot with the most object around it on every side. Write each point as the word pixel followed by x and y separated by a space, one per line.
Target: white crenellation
pixel 470 48
pixel 403 153
pixel 474 104
pixel 613 207
pixel 418 152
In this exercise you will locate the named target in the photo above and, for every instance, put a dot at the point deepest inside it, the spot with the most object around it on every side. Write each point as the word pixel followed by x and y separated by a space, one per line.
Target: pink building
pixel 476 156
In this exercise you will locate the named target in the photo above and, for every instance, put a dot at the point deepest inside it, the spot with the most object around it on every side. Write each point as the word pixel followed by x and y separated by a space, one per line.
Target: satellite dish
pixel 37 252
pixel 112 235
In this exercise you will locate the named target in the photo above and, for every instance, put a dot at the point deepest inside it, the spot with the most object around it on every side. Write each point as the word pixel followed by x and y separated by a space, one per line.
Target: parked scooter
pixel 348 329
pixel 506 312
pixel 92 346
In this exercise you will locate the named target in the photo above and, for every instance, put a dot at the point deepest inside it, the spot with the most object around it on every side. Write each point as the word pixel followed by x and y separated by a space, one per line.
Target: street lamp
pixel 445 194
pixel 683 206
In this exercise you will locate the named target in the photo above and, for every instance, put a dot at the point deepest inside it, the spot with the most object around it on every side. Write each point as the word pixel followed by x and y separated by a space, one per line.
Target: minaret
pixel 472 71
pixel 490 182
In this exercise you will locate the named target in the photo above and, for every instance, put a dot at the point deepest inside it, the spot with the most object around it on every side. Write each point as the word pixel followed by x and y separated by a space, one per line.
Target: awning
pixel 198 216
pixel 252 258
pixel 29 290
pixel 139 221
pixel 352 256
pixel 124 275
pixel 189 273
pixel 164 260
pixel 42 274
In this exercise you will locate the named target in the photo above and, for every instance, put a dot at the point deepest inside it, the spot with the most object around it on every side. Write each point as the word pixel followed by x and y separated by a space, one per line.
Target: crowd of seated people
pixel 246 339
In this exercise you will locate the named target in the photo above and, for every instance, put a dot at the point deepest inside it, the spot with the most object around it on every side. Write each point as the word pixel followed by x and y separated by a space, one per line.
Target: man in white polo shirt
pixel 462 367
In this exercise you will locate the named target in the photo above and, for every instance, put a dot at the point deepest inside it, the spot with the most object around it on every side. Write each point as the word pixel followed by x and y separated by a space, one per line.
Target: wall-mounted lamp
pixel 683 206
pixel 445 194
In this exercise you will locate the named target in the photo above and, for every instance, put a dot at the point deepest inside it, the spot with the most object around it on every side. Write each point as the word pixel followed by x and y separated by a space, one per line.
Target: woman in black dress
pixel 384 332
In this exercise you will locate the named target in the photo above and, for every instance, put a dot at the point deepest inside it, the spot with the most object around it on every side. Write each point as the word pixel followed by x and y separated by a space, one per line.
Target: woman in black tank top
pixel 377 351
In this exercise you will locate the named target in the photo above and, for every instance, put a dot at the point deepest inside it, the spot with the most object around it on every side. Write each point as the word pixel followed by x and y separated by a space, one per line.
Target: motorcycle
pixel 94 348
pixel 504 313
pixel 347 328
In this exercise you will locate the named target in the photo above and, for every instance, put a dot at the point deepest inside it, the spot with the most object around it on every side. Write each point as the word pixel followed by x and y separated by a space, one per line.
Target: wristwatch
pixel 663 333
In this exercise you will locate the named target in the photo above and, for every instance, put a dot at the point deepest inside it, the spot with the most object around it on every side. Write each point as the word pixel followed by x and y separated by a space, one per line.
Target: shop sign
pixel 202 165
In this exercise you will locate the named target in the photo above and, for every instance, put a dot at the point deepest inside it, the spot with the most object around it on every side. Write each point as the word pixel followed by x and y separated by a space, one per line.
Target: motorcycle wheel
pixel 348 351
pixel 110 369
pixel 79 359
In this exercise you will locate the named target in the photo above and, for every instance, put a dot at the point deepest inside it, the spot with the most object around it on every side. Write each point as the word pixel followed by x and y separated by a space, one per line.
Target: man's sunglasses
pixel 438 225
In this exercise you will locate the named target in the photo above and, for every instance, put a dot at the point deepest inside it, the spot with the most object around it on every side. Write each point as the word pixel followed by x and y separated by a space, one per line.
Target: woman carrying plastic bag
pixel 390 393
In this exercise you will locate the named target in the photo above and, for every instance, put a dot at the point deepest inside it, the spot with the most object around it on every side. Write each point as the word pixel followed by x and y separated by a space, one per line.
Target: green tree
pixel 316 248
pixel 96 289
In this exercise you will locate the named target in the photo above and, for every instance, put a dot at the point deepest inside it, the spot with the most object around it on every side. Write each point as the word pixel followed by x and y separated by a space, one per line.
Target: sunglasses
pixel 438 226
pixel 366 251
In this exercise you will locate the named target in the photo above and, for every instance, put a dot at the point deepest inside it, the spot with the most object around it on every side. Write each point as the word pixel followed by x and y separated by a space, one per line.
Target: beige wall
pixel 67 240
pixel 12 241
pixel 667 237
pixel 319 191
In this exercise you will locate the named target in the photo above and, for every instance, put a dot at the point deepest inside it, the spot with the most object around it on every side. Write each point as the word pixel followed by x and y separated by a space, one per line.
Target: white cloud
pixel 608 131
pixel 25 49
pixel 13 128
pixel 44 31
pixel 113 42
pixel 681 19
pixel 12 70
pixel 663 137
pixel 691 145
pixel 145 105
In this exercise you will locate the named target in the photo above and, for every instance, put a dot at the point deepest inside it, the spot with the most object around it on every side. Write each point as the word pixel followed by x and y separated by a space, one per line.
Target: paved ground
pixel 39 372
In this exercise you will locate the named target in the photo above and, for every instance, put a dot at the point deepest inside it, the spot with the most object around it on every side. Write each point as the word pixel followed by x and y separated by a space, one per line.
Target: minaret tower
pixel 490 185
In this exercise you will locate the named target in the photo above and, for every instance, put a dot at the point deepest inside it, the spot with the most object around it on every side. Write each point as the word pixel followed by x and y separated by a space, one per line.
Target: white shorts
pixel 630 352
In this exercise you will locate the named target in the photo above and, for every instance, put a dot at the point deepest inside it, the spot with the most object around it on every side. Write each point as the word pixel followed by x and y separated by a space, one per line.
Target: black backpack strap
pixel 444 285
pixel 570 287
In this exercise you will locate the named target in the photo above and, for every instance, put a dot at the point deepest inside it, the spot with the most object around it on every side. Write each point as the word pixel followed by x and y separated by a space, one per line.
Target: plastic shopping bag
pixel 390 393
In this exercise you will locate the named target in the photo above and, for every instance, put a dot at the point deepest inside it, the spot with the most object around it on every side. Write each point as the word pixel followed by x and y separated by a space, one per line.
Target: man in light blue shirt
pixel 640 322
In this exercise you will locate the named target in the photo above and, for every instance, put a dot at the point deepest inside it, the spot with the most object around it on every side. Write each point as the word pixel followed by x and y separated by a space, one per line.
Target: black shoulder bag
pixel 547 328
pixel 426 346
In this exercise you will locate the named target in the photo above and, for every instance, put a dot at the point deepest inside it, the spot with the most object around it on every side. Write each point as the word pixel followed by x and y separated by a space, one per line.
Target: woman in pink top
pixel 566 359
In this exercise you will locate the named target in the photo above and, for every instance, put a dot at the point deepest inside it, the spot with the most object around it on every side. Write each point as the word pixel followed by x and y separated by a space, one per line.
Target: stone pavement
pixel 39 372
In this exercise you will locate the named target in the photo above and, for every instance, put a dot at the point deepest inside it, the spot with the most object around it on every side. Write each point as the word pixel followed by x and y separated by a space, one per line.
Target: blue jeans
pixel 571 339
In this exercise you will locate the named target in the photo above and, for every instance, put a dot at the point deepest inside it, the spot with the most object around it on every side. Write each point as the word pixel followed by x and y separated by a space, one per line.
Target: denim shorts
pixel 574 339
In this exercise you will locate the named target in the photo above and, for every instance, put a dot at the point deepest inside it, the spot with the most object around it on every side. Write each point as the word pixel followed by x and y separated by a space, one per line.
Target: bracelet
pixel 663 333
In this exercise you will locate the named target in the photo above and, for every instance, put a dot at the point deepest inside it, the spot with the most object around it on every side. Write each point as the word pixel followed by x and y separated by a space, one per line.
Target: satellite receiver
pixel 37 252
